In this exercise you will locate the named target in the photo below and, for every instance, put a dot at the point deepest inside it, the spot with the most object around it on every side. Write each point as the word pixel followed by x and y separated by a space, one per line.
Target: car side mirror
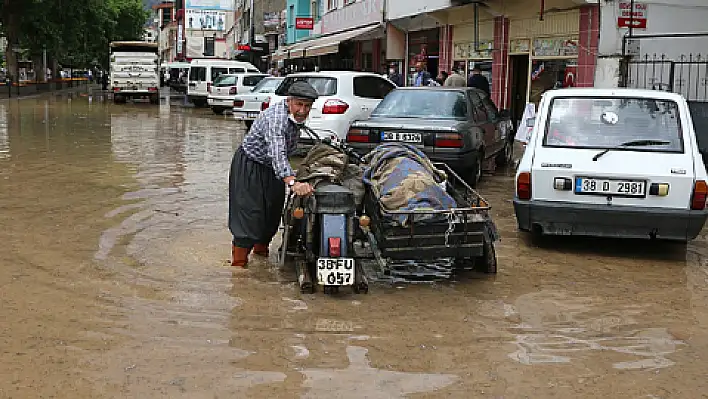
pixel 504 114
pixel 530 122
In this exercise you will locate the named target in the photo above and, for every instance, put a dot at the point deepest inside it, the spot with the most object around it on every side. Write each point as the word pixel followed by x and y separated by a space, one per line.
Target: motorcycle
pixel 319 231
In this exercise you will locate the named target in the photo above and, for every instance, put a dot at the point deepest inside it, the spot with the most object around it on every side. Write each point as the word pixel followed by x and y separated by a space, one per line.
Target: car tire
pixel 506 155
pixel 474 174
pixel 217 110
pixel 248 125
pixel 487 263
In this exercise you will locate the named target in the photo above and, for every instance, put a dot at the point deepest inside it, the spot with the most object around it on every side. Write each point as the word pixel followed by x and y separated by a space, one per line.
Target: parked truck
pixel 135 71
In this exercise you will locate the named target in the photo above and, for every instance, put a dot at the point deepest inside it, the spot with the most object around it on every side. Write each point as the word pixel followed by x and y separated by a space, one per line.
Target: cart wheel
pixel 487 263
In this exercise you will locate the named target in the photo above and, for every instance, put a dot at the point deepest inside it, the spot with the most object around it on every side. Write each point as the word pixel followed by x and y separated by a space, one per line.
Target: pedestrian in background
pixel 394 76
pixel 477 80
pixel 455 79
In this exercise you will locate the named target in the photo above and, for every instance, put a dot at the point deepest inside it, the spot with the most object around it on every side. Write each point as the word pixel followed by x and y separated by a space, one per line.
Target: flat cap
pixel 302 89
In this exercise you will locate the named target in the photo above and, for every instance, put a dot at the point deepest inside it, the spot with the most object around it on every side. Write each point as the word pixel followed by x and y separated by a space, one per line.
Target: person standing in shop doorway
pixel 422 78
pixel 478 81
pixel 394 76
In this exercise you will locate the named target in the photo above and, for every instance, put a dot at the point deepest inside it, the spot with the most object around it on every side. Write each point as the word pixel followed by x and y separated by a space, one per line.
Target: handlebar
pixel 338 145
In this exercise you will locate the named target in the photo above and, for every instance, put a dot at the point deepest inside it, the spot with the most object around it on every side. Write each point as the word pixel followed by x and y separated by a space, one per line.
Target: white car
pixel 344 97
pixel 204 71
pixel 247 107
pixel 226 87
pixel 612 163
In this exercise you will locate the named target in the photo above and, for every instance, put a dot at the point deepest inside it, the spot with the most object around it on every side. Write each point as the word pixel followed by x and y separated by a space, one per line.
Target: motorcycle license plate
pixel 335 271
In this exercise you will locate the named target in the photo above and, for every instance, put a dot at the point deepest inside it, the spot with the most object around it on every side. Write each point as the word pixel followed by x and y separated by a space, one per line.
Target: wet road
pixel 114 283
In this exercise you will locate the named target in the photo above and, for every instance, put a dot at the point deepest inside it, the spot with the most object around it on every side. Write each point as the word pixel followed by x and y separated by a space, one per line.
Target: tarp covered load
pixel 402 178
pixel 324 163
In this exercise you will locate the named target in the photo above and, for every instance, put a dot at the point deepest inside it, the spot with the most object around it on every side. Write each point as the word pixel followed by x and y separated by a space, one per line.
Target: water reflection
pixel 360 380
pixel 556 328
pixel 4 134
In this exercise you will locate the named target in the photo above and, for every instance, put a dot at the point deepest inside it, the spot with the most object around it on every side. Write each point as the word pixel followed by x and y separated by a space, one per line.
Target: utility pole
pixel 252 32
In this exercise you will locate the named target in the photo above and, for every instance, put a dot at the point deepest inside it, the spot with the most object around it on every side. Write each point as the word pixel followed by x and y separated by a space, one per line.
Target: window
pixel 267 85
pixel 424 104
pixel 215 72
pixel 208 46
pixel 636 124
pixel 237 70
pixel 331 4
pixel 323 85
pixel 252 70
pixel 371 87
pixel 197 74
pixel 314 11
pixel 291 16
pixel 492 110
pixel 252 80
pixel 479 111
pixel 225 80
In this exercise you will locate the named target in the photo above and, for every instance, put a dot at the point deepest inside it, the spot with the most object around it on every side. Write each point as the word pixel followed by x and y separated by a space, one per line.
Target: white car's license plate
pixel 401 136
pixel 597 186
pixel 335 271
pixel 252 115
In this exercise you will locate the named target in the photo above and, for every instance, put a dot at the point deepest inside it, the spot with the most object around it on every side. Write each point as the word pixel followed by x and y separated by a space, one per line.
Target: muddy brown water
pixel 113 283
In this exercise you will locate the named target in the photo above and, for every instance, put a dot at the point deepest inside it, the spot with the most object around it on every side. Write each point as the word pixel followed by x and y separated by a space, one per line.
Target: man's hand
pixel 303 189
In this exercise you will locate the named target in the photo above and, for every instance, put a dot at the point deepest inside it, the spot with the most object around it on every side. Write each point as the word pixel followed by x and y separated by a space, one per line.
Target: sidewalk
pixel 42 88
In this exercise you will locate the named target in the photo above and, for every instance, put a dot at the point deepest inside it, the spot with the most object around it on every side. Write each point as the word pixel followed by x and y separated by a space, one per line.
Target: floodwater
pixel 114 282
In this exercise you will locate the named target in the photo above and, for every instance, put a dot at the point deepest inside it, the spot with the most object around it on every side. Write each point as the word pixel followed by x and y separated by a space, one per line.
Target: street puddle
pixel 360 380
pixel 559 329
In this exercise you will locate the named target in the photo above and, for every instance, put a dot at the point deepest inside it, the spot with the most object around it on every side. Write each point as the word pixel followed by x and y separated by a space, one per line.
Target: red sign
pixel 304 23
pixel 636 18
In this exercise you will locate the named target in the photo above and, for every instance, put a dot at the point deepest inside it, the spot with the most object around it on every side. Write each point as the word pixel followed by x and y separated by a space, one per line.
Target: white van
pixel 203 72
pixel 612 163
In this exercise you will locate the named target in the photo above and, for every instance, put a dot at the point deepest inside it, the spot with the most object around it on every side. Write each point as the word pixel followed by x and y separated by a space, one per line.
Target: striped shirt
pixel 272 138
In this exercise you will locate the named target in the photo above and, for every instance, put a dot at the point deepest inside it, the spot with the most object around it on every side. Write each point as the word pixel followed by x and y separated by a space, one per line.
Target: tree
pixel 74 32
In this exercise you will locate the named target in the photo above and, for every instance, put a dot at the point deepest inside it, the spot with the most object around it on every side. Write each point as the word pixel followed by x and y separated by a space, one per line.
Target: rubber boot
pixel 239 256
pixel 261 249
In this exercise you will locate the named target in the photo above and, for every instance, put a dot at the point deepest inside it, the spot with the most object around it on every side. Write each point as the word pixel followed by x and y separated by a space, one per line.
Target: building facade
pixel 654 46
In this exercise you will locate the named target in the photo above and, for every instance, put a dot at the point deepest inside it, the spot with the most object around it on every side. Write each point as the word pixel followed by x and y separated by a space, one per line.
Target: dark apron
pixel 256 198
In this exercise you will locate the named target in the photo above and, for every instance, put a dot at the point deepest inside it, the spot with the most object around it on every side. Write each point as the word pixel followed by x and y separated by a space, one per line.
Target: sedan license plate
pixel 335 271
pixel 252 115
pixel 615 187
pixel 402 137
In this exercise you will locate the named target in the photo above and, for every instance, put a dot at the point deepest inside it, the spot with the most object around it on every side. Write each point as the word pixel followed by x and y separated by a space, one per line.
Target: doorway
pixel 518 79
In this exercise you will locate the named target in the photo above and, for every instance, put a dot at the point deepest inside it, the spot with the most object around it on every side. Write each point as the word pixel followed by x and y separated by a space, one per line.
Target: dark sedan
pixel 456 125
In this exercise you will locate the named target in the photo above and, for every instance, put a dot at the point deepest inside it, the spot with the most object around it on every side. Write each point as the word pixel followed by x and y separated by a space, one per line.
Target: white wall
pixel 396 9
pixel 665 16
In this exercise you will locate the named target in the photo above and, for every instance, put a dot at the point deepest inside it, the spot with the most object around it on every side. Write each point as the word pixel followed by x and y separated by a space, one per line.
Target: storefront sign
pixel 271 19
pixel 206 20
pixel 519 46
pixel 180 39
pixel 304 23
pixel 467 51
pixel 555 47
pixel 353 15
pixel 222 5
pixel 636 18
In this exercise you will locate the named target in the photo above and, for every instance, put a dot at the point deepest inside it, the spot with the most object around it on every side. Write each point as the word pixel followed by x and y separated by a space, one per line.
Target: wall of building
pixel 663 17
pixel 295 9
pixel 396 9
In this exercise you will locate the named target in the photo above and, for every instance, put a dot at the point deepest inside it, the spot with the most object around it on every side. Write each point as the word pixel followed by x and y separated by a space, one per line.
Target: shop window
pixel 371 87
pixel 551 74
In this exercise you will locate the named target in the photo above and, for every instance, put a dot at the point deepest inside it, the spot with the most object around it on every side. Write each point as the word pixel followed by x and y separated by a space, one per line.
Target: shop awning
pixel 330 44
